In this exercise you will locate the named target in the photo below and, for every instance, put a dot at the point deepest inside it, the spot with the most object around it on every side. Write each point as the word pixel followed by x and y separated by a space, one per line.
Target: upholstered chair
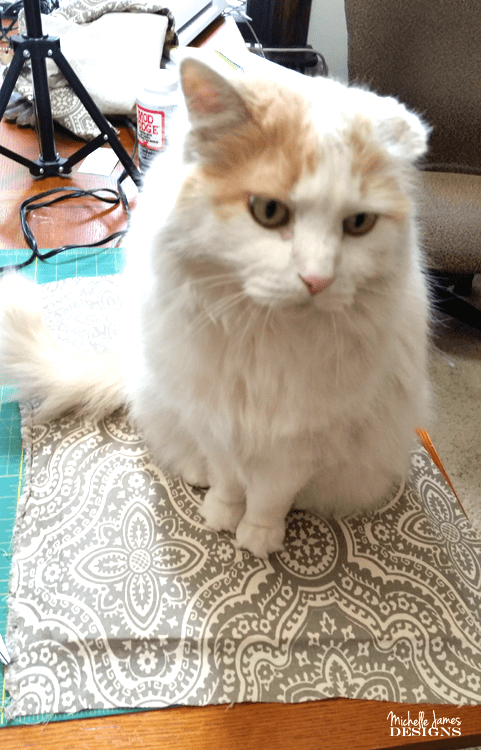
pixel 428 54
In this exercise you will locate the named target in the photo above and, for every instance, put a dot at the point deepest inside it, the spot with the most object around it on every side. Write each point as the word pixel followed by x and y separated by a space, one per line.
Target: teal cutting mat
pixel 69 264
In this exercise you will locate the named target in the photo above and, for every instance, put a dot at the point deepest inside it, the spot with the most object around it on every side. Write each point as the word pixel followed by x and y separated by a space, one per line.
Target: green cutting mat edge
pixel 69 264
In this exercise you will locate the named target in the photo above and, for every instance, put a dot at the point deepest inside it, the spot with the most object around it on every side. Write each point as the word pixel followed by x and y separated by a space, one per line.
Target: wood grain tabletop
pixel 335 724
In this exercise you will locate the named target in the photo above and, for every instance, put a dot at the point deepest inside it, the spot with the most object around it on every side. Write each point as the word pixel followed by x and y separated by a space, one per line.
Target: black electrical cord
pixel 106 195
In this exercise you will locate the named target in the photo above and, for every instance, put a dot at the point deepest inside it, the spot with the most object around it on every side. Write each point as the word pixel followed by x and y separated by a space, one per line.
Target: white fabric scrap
pixel 111 56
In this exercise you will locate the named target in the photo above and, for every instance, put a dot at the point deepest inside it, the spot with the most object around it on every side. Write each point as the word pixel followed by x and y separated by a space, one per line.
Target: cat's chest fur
pixel 256 375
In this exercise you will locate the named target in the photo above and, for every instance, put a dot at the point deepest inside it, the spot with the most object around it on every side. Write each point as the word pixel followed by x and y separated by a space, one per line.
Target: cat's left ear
pixel 212 101
pixel 402 133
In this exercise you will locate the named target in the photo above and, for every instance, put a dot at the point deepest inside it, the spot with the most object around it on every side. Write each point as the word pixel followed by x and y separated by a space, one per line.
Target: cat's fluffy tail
pixel 38 365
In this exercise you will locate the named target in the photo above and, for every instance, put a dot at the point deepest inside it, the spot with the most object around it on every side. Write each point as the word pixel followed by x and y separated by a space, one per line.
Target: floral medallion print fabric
pixel 121 597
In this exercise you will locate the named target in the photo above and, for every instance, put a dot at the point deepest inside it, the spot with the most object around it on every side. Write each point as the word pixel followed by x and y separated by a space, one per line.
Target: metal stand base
pixel 37 47
pixel 448 291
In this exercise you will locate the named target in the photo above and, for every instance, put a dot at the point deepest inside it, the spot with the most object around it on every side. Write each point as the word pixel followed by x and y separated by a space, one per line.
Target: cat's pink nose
pixel 316 284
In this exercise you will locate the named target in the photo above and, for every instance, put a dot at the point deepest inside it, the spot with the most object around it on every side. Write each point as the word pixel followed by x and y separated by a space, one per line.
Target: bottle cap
pixel 161 80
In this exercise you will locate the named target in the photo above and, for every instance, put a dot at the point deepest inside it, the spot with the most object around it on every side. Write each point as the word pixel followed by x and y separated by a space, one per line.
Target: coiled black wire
pixel 106 195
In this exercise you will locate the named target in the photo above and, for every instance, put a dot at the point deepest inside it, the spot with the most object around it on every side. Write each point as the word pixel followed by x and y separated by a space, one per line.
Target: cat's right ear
pixel 402 133
pixel 212 101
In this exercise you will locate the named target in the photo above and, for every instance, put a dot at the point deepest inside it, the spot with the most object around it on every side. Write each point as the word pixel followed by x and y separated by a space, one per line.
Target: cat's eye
pixel 359 224
pixel 268 212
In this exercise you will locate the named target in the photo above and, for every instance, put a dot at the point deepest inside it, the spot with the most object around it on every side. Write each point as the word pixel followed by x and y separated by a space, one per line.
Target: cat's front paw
pixel 220 515
pixel 194 472
pixel 260 540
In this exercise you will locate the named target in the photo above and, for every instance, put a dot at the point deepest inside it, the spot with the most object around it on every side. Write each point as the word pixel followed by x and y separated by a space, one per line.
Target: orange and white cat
pixel 276 311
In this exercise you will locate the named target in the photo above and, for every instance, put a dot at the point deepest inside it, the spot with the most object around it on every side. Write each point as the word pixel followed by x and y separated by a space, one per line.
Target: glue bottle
pixel 156 104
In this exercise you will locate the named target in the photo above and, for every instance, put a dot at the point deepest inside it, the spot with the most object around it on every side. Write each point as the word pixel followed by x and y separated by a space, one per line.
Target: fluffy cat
pixel 276 313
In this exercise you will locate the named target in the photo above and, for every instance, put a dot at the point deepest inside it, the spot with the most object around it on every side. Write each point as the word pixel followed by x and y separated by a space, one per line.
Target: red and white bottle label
pixel 151 128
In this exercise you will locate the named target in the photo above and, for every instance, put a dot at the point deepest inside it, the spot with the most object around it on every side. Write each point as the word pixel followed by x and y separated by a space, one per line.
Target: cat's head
pixel 306 189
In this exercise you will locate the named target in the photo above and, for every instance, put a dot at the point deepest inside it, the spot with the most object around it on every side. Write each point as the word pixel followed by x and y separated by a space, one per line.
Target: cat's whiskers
pixel 376 289
pixel 269 312
pixel 203 283
pixel 214 280
pixel 248 327
pixel 339 347
pixel 213 313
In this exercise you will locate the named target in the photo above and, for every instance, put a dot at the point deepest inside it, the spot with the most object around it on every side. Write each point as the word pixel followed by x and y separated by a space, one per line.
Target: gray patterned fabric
pixel 120 597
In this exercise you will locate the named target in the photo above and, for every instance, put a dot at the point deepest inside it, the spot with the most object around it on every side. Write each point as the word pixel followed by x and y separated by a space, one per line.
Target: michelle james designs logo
pixel 424 725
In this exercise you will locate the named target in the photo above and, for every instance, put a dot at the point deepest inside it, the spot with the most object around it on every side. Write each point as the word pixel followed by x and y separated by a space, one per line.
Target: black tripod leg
pixel 38 48
pixel 6 90
pixel 8 85
pixel 43 106
pixel 103 125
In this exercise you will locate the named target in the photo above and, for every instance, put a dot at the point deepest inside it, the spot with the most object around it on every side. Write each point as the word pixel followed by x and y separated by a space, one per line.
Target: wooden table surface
pixel 74 221
pixel 331 724
pixel 318 725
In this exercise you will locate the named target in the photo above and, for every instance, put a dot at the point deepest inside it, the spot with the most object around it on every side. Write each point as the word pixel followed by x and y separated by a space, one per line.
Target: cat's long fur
pixel 238 375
